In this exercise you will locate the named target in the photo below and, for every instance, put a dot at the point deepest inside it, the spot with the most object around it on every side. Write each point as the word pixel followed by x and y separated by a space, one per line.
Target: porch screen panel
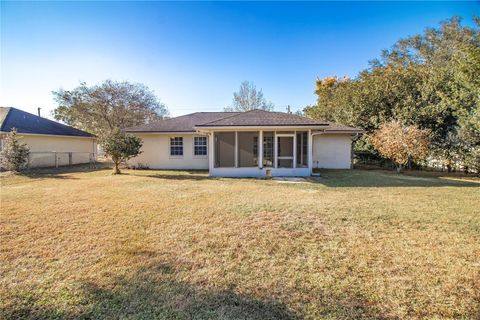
pixel 268 149
pixel 224 149
pixel 247 149
pixel 302 149
pixel 285 152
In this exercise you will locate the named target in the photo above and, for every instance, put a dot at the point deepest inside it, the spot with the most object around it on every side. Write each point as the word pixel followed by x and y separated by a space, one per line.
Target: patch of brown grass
pixel 158 244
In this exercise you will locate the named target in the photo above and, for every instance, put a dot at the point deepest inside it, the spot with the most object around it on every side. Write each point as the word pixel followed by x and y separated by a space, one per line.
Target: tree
pixel 400 143
pixel 249 98
pixel 120 147
pixel 14 154
pixel 430 80
pixel 101 108
pixel 472 160
pixel 468 90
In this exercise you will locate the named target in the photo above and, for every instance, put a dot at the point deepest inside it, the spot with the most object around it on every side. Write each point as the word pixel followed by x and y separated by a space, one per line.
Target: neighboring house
pixel 51 143
pixel 226 143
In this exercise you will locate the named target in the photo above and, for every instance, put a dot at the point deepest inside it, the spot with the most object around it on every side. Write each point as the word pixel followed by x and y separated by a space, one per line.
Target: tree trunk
pixel 116 170
pixel 399 168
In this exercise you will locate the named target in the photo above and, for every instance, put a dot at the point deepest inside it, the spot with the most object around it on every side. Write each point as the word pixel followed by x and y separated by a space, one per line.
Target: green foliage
pixel 472 159
pixel 120 147
pixel 431 81
pixel 106 106
pixel 14 154
pixel 249 98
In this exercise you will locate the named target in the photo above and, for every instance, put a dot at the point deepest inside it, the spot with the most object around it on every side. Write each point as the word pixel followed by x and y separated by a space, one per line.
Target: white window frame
pixel 206 147
pixel 170 147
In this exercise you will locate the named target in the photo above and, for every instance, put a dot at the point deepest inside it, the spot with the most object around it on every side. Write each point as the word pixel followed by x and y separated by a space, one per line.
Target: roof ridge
pixel 238 113
pixel 217 112
pixel 164 119
pixel 228 117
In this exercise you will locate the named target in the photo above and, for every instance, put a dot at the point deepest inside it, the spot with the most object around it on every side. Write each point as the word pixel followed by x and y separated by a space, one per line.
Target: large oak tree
pixel 101 108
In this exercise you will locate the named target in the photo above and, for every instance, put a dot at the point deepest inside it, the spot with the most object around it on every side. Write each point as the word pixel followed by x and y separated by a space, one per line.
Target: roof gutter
pixel 160 132
pixel 49 135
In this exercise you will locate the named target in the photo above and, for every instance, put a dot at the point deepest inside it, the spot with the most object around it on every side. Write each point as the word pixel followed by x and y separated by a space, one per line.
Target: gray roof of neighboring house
pixel 29 123
pixel 254 118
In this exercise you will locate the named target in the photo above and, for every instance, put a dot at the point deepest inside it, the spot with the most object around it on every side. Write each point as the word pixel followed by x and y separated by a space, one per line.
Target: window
pixel 200 146
pixel 176 146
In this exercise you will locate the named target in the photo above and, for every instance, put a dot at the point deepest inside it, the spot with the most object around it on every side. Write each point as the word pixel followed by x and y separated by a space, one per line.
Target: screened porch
pixel 287 151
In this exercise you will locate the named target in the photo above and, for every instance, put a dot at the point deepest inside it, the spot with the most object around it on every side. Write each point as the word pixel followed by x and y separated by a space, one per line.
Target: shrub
pixel 400 143
pixel 14 154
pixel 120 147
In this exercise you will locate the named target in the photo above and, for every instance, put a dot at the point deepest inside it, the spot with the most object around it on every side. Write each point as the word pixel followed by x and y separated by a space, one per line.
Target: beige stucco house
pixel 50 143
pixel 227 144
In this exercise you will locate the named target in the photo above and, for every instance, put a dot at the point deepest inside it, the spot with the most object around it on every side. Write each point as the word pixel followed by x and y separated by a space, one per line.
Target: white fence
pixel 59 159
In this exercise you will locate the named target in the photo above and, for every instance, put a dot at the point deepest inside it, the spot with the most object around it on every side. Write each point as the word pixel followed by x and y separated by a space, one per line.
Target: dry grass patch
pixel 163 244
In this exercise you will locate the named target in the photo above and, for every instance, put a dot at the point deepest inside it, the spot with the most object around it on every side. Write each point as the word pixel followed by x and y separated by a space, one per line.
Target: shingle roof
pixel 184 123
pixel 254 118
pixel 335 127
pixel 26 122
pixel 263 118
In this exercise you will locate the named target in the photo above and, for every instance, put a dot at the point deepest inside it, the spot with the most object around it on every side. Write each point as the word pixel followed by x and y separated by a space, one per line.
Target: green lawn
pixel 180 245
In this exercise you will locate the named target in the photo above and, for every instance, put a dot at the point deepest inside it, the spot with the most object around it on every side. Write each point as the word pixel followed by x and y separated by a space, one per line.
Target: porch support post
pixel 236 149
pixel 211 152
pixel 275 150
pixel 260 149
pixel 294 149
pixel 310 151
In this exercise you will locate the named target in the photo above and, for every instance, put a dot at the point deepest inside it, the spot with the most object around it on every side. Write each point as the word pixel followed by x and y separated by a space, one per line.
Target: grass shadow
pixel 62 172
pixel 383 178
pixel 194 175
pixel 145 298
pixel 152 290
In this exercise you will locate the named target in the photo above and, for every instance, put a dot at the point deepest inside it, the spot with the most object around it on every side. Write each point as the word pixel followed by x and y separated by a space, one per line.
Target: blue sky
pixel 195 54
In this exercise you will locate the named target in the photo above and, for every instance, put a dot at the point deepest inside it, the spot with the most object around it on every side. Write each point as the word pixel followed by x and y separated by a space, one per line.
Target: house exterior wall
pixel 43 148
pixel 156 153
pixel 332 151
